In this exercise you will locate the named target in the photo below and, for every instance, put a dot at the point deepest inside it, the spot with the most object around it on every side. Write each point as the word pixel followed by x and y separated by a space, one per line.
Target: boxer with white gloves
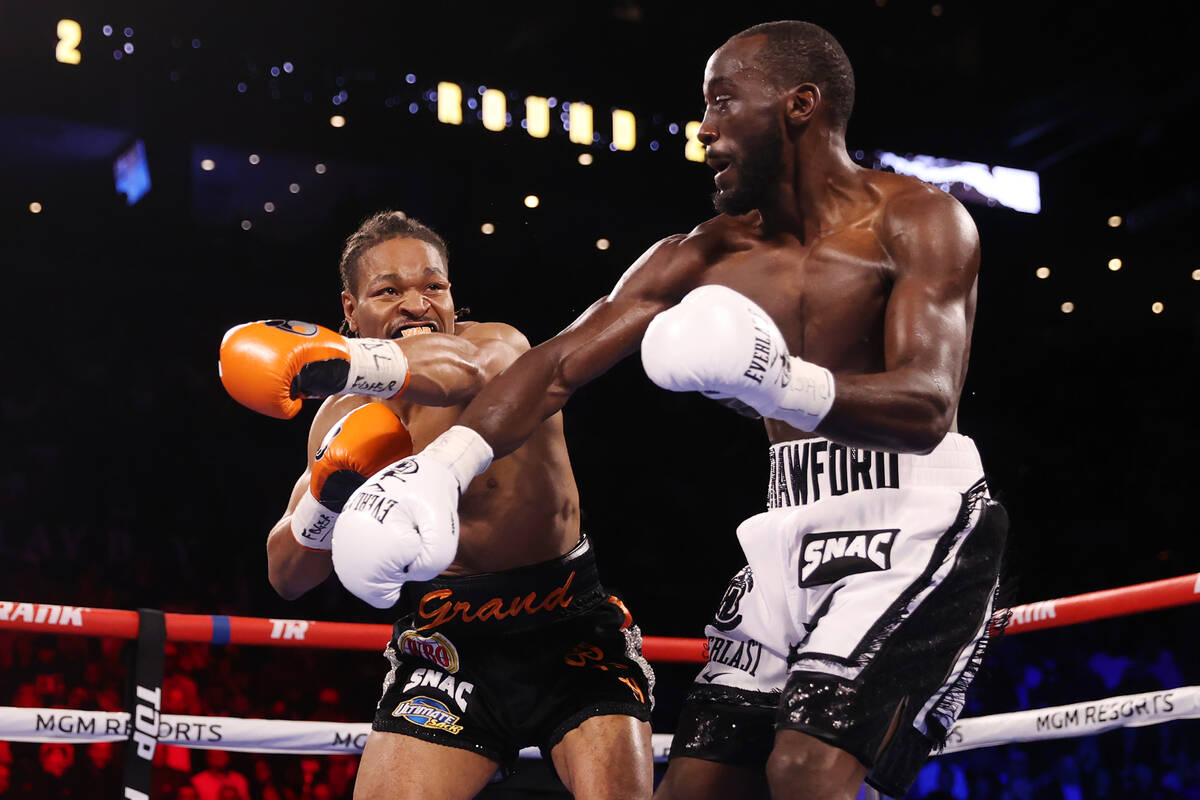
pixel 846 325
pixel 451 575
pixel 721 344
pixel 357 446
pixel 374 559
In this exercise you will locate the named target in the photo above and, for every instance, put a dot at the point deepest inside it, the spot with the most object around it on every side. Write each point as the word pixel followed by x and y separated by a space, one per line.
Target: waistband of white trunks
pixel 808 470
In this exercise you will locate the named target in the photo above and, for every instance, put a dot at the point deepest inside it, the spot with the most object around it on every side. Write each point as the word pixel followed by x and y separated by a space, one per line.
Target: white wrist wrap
pixel 378 368
pixel 312 523
pixel 808 395
pixel 463 451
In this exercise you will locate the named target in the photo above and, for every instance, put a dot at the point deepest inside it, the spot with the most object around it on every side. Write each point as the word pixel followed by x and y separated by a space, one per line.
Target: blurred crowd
pixel 85 673
pixel 1056 667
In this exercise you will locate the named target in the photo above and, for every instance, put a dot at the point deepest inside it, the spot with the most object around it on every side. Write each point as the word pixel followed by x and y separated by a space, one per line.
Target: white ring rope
pixel 317 738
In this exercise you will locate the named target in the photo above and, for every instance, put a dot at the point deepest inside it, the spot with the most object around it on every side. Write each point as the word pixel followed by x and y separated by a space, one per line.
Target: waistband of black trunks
pixel 515 600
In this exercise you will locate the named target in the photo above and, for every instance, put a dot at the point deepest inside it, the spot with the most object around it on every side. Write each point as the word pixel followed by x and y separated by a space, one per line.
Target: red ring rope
pixel 218 629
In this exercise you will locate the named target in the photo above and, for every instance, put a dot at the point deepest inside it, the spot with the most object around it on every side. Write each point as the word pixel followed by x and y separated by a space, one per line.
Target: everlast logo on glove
pixel 762 353
pixel 376 505
pixel 828 557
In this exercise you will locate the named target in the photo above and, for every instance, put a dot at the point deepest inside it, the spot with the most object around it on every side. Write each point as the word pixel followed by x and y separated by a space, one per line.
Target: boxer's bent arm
pixel 448 370
pixel 538 384
pixel 291 569
pixel 912 404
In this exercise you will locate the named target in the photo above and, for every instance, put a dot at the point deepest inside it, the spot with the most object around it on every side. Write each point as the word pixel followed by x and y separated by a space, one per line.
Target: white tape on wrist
pixel 809 395
pixel 378 368
pixel 464 451
pixel 312 523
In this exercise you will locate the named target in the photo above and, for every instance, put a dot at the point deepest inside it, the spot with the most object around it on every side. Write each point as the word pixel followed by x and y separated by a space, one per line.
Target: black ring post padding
pixel 144 702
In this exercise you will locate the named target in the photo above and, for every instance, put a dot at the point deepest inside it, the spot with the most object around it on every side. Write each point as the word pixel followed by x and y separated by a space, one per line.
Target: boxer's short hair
pixel 798 52
pixel 380 227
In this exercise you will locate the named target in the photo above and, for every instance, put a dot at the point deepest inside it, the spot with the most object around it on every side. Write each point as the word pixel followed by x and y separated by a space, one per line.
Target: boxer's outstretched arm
pixel 537 384
pixel 447 370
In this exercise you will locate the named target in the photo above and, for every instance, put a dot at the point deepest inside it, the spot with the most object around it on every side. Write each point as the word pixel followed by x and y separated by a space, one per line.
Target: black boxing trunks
pixel 868 597
pixel 498 661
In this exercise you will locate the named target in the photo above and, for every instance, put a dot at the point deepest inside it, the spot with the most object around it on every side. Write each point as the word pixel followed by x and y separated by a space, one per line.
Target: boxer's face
pixel 401 288
pixel 741 129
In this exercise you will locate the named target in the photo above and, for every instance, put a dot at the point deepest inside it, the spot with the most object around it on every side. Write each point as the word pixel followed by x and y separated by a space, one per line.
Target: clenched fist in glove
pixel 358 445
pixel 722 344
pixel 402 524
pixel 270 366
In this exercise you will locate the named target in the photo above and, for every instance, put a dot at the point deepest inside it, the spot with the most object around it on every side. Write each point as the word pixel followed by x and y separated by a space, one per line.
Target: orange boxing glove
pixel 270 365
pixel 360 444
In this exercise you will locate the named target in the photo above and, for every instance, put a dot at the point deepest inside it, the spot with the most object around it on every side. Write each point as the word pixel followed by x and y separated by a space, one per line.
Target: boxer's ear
pixel 349 326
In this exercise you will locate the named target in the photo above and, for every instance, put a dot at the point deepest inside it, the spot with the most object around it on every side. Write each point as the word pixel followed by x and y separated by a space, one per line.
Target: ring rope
pixel 220 629
pixel 321 738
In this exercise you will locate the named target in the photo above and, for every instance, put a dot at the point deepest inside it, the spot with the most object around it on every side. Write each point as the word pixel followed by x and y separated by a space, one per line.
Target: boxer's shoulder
pixel 499 344
pixel 482 332
pixel 675 264
pixel 912 213
pixel 726 232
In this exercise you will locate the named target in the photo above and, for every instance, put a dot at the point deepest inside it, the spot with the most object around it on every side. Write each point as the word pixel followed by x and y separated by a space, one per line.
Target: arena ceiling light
pixel 1018 189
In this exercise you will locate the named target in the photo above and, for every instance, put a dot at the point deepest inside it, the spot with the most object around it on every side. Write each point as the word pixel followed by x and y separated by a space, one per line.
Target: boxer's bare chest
pixel 828 296
pixel 522 510
pixel 425 423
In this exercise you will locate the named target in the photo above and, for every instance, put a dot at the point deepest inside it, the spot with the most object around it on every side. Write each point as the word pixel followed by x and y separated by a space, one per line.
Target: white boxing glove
pixel 402 523
pixel 720 343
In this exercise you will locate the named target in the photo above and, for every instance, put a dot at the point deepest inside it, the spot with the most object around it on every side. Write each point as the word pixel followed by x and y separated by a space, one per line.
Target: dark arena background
pixel 170 170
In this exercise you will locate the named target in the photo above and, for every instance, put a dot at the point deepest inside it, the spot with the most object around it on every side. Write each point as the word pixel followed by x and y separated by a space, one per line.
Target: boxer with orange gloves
pixel 451 713
pixel 358 445
pixel 270 366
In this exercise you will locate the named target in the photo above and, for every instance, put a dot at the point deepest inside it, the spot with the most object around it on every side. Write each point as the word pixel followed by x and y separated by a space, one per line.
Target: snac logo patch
pixel 828 557
pixel 428 713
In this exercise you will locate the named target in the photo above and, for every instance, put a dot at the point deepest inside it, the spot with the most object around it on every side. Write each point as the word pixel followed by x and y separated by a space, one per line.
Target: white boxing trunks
pixel 868 594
